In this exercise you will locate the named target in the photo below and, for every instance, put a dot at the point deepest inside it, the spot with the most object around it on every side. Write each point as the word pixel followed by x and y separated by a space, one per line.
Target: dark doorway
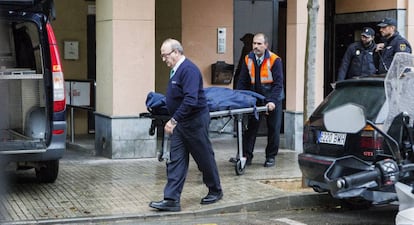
pixel 91 54
pixel 342 30
pixel 265 16
pixel 347 34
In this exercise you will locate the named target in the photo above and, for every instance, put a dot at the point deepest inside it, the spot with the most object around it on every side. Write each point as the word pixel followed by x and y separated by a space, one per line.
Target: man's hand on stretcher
pixel 169 126
pixel 270 106
pixel 172 123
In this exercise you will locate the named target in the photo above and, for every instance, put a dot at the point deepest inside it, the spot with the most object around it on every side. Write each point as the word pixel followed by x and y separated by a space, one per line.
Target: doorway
pixel 249 17
pixel 91 57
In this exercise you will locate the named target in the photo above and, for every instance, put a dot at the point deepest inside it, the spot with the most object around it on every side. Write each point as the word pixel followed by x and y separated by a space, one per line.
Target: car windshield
pixel 371 98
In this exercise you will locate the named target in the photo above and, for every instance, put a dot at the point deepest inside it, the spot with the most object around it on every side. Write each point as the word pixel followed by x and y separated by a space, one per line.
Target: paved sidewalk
pixel 95 188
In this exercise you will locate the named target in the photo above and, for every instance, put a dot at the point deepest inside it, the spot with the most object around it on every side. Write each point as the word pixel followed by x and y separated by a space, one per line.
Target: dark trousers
pixel 274 122
pixel 191 137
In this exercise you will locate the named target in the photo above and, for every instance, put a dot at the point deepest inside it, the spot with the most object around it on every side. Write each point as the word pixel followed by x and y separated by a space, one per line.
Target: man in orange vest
pixel 262 72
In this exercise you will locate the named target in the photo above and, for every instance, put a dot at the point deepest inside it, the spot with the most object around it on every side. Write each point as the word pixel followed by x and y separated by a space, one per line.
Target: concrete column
pixel 125 73
pixel 410 22
pixel 297 20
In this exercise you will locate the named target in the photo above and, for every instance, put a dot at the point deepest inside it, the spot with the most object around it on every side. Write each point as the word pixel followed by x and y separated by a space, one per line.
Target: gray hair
pixel 174 44
pixel 266 39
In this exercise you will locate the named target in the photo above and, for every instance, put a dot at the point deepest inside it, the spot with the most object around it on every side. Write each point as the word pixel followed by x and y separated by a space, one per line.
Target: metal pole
pixel 72 125
pixel 239 118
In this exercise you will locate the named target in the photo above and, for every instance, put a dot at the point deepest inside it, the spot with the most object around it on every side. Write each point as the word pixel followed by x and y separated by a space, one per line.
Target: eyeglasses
pixel 166 54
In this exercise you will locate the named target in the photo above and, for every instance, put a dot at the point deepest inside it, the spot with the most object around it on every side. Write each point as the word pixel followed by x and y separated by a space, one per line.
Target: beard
pixel 387 35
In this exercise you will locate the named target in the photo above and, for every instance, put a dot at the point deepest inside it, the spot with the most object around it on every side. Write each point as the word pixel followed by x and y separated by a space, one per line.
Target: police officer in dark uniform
pixel 393 43
pixel 358 59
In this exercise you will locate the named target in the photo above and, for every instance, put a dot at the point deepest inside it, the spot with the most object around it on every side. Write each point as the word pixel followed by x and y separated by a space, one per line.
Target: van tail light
pixel 59 98
pixel 371 142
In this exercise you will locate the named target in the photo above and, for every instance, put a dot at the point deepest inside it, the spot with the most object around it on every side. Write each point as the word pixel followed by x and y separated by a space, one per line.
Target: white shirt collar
pixel 261 58
pixel 180 61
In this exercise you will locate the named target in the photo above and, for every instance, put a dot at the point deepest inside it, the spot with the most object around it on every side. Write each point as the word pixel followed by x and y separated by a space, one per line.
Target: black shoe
pixel 211 198
pixel 248 162
pixel 166 205
pixel 269 162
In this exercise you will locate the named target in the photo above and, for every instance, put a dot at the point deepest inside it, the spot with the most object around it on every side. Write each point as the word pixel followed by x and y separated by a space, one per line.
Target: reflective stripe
pixel 269 78
pixel 266 76
pixel 250 66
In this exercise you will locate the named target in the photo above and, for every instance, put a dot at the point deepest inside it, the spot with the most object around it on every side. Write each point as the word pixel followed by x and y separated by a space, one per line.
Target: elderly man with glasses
pixel 188 129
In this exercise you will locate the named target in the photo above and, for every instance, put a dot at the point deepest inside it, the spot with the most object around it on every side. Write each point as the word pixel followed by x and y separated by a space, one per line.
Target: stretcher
pixel 158 121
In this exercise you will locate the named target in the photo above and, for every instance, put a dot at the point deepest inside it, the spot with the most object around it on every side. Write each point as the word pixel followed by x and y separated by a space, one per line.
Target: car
pixel 33 100
pixel 322 147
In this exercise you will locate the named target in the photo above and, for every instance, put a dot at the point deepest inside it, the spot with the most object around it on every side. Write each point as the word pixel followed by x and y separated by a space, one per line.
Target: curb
pixel 291 201
pixel 80 148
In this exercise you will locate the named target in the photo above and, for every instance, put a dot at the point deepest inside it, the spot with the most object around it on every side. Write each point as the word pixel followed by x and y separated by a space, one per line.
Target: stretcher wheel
pixel 151 130
pixel 159 156
pixel 239 168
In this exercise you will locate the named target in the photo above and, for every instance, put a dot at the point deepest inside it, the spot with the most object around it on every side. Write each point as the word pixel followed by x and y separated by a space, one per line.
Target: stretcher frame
pixel 237 114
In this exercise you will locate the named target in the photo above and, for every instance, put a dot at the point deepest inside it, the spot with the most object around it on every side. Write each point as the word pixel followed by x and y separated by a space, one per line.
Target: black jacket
pixel 274 92
pixel 396 43
pixel 357 61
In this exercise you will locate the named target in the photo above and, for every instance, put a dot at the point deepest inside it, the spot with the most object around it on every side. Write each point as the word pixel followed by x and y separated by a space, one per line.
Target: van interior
pixel 22 102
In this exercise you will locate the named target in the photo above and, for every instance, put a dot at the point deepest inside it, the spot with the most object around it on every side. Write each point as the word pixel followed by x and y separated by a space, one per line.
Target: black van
pixel 32 95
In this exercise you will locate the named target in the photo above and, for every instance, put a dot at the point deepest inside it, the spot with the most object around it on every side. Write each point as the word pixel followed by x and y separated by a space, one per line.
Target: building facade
pixel 119 43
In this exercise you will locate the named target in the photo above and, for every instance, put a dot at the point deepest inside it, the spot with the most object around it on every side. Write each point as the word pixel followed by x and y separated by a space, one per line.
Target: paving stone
pixel 96 187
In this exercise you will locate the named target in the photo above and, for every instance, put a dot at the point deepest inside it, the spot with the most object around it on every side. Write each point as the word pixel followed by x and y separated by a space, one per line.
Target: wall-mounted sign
pixel 78 93
pixel 71 50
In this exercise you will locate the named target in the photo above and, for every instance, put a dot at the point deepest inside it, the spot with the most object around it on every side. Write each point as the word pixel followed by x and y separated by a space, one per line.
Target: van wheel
pixel 48 171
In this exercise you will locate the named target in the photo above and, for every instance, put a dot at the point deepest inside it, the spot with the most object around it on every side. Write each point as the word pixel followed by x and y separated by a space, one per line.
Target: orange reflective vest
pixel 266 76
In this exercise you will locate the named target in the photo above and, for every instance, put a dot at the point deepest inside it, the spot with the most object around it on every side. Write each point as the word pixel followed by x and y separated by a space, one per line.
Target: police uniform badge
pixel 357 52
pixel 403 47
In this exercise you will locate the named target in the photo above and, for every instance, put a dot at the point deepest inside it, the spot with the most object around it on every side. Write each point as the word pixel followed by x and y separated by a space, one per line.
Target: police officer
pixel 393 43
pixel 358 59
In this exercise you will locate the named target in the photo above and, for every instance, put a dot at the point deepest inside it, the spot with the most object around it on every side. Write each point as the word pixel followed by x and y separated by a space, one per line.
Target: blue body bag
pixel 218 98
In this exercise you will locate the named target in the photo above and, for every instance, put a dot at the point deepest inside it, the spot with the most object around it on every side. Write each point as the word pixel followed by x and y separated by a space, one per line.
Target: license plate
pixel 332 138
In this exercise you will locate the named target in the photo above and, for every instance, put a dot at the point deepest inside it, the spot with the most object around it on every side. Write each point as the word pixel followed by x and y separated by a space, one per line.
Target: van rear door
pixel 32 97
pixel 46 7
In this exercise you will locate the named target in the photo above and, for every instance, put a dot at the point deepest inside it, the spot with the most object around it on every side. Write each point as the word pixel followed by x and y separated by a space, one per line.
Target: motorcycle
pixel 390 178
pixel 405 195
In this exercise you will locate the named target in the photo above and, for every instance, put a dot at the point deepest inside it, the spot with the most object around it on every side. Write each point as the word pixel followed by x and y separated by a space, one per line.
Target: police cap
pixel 368 32
pixel 387 22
